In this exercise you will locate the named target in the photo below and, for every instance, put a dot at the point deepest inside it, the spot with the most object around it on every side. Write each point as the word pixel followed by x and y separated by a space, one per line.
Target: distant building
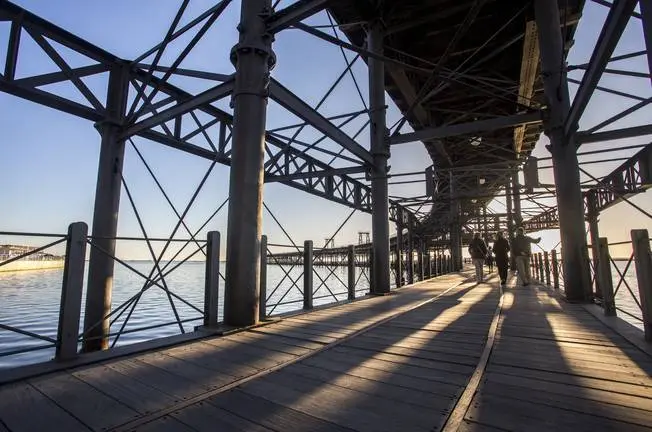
pixel 8 251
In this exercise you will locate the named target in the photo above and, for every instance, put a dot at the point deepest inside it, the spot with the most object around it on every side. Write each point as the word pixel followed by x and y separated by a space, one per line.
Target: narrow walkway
pixel 404 362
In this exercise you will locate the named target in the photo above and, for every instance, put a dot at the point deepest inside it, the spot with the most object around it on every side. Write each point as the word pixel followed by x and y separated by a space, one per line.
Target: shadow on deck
pixel 393 363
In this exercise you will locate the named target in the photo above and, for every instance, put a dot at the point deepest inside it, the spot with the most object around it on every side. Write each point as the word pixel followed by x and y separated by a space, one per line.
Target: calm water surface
pixel 30 301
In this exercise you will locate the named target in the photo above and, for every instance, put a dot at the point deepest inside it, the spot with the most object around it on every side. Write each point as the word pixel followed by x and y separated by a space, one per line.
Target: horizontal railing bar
pixel 31 234
pixel 285 303
pixel 27 333
pixel 329 295
pixel 26 350
pixel 153 326
pixel 147 239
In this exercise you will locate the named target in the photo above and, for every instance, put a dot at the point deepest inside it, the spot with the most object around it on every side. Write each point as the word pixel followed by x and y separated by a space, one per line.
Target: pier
pixel 531 114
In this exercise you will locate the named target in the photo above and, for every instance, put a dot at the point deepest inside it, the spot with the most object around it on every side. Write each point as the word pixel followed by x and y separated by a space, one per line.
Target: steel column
pixel 592 216
pixel 105 214
pixel 516 191
pixel 510 222
pixel 253 59
pixel 399 248
pixel 410 253
pixel 380 152
pixel 564 156
pixel 212 279
pixel 455 228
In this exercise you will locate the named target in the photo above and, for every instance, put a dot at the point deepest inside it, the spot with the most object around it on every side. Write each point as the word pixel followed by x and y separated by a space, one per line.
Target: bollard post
pixel 307 274
pixel 546 264
pixel 351 272
pixel 71 292
pixel 262 299
pixel 555 270
pixel 643 262
pixel 604 273
pixel 212 281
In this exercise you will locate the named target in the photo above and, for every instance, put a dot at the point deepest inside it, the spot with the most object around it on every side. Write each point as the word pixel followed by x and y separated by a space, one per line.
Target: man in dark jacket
pixel 478 252
pixel 522 250
pixel 501 252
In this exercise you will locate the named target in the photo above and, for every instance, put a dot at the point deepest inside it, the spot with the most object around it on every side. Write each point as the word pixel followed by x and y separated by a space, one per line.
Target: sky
pixel 48 159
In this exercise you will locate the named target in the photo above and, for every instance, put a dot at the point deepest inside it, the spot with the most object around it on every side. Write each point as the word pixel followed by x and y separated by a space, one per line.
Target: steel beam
pixel 617 19
pixel 313 174
pixel 298 107
pixel 294 13
pixel 253 58
pixel 380 152
pixel 467 128
pixel 630 132
pixel 105 215
pixel 211 95
pixel 565 166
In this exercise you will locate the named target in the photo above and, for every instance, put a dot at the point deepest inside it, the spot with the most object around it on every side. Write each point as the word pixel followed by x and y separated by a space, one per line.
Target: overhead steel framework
pixel 476 82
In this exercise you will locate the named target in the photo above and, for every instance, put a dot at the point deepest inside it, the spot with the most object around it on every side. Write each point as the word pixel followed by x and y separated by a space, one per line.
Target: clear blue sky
pixel 48 159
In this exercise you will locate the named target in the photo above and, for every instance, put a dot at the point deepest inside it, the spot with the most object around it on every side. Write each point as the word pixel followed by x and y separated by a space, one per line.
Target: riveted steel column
pixel 399 247
pixel 105 214
pixel 410 253
pixel 564 156
pixel 592 217
pixel 380 153
pixel 455 228
pixel 516 188
pixel 253 59
pixel 510 222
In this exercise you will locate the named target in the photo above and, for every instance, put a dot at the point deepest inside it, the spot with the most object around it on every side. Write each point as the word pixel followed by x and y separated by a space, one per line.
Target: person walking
pixel 478 252
pixel 501 252
pixel 490 260
pixel 522 250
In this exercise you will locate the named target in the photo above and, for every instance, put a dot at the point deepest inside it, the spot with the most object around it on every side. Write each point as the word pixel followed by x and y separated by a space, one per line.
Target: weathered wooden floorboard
pixel 166 424
pixel 92 407
pixel 205 417
pixel 23 408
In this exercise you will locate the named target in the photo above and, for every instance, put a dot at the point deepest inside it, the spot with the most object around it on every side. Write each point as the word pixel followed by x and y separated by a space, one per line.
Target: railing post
pixel 212 282
pixel 71 292
pixel 307 274
pixel 643 262
pixel 546 264
pixel 555 270
pixel 605 280
pixel 262 299
pixel 350 252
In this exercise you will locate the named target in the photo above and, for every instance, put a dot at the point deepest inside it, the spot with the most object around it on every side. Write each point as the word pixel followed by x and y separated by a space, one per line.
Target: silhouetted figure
pixel 490 260
pixel 478 252
pixel 522 250
pixel 501 251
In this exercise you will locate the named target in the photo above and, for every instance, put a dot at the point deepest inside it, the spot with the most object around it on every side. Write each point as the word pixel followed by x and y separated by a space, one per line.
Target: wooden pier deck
pixel 443 354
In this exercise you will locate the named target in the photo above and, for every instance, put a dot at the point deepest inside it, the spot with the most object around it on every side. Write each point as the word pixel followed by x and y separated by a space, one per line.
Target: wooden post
pixel 351 271
pixel 212 282
pixel 604 273
pixel 307 274
pixel 555 270
pixel 71 292
pixel 262 305
pixel 546 264
pixel 641 246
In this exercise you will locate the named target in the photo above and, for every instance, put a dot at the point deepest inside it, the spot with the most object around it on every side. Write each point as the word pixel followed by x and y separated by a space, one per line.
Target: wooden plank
pixel 433 345
pixel 428 400
pixel 296 334
pixel 172 384
pixel 572 366
pixel 352 412
pixel 164 424
pixel 388 330
pixel 205 417
pixel 594 408
pixel 453 359
pixel 623 349
pixel 393 374
pixel 20 402
pixel 203 377
pixel 634 389
pixel 469 426
pixel 511 414
pixel 410 416
pixel 279 343
pixel 572 388
pixel 89 405
pixel 421 369
pixel 125 390
pixel 205 356
pixel 251 354
pixel 270 414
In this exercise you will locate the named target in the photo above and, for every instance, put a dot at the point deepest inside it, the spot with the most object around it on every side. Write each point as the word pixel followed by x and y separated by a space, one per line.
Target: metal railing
pixel 44 339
